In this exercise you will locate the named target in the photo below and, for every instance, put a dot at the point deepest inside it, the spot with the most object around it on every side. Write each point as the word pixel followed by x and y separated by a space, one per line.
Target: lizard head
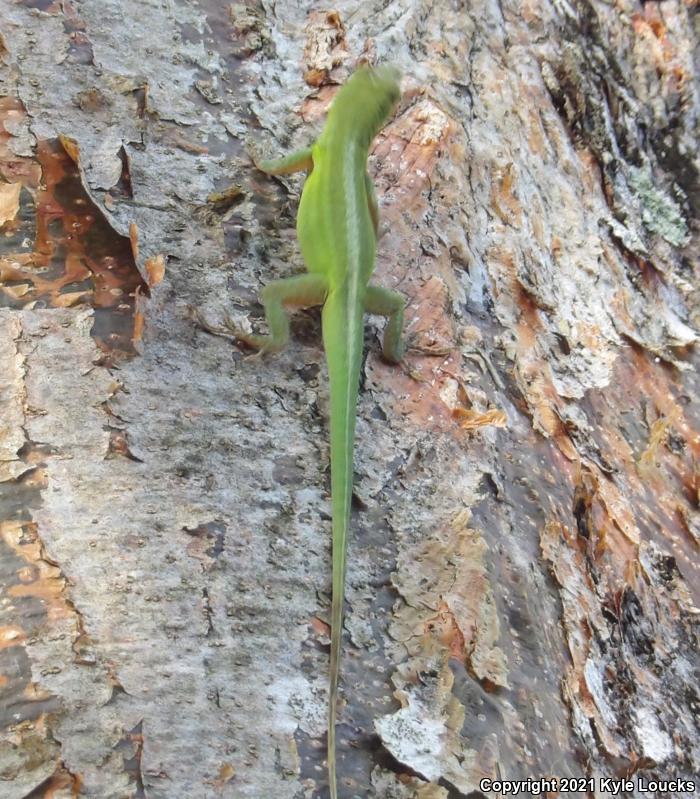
pixel 367 99
pixel 385 81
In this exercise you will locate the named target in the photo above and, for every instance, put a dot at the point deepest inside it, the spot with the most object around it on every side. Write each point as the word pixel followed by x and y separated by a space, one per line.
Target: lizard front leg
pixel 297 161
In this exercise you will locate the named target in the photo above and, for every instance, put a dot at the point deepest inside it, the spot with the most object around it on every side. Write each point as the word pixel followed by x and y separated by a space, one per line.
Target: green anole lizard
pixel 337 227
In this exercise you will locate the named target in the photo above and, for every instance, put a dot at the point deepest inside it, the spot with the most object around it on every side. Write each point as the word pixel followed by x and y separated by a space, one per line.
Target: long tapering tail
pixel 343 338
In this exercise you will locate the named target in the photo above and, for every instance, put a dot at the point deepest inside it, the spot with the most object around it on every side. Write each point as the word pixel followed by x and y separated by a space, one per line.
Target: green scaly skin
pixel 337 231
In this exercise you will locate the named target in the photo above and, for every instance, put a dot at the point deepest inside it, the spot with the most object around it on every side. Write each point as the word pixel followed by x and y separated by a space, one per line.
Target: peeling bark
pixel 523 579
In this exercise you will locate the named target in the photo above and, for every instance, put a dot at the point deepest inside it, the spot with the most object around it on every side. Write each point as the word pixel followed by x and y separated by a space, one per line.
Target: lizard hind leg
pixel 385 302
pixel 302 291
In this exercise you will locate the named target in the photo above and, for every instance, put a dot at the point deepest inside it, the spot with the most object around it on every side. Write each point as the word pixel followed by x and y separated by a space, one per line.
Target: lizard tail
pixel 343 339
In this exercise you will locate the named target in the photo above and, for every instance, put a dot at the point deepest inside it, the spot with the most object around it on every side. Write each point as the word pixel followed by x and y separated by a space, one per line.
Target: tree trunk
pixel 523 581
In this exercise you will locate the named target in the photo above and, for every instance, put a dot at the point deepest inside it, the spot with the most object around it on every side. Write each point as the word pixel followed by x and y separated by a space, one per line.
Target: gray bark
pixel 523 579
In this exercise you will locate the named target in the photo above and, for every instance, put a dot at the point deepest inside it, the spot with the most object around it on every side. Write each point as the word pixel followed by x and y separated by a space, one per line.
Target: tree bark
pixel 523 579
